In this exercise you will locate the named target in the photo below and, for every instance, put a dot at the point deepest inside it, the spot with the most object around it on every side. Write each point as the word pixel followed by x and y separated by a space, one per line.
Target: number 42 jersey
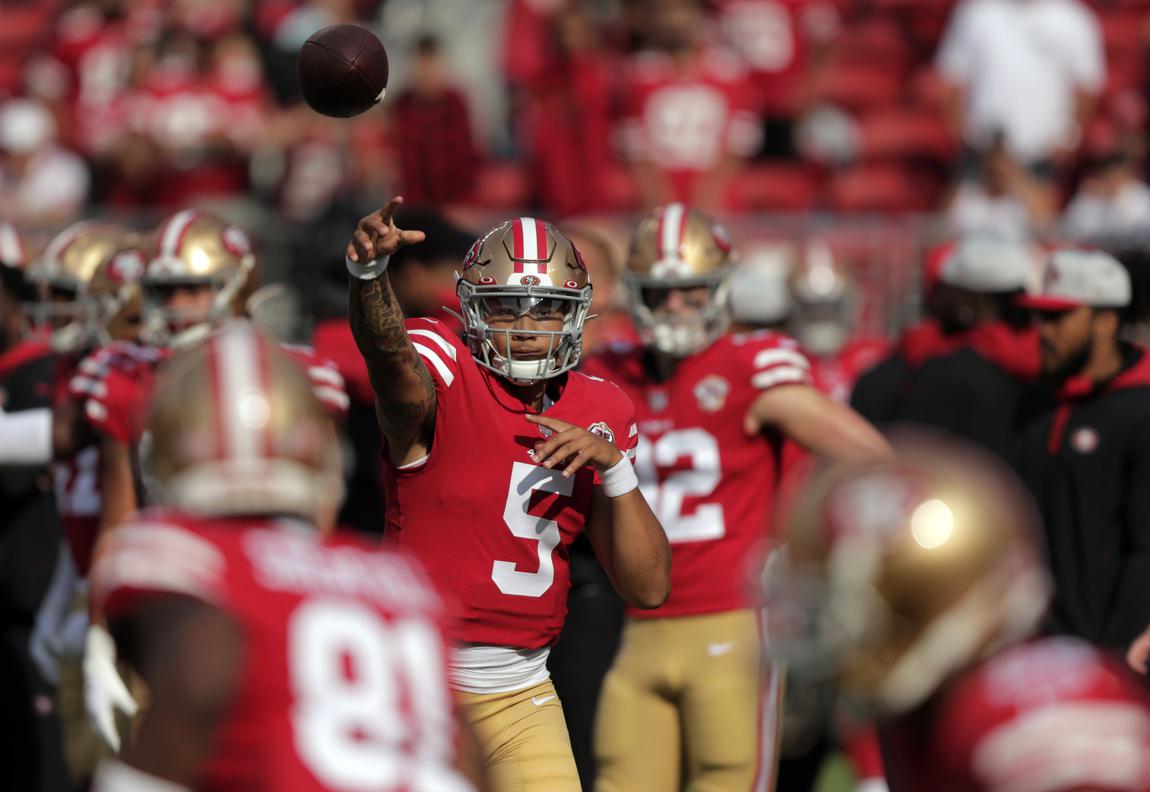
pixel 343 679
pixel 492 527
pixel 711 484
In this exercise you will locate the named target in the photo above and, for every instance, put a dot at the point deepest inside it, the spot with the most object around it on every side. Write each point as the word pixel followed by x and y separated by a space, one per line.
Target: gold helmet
pixel 196 249
pixel 63 273
pixel 114 298
pixel 236 429
pixel 524 266
pixel 824 301
pixel 678 248
pixel 898 573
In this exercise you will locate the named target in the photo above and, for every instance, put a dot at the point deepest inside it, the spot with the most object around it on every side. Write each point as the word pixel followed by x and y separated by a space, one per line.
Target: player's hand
pixel 377 236
pixel 571 447
pixel 1138 654
pixel 104 690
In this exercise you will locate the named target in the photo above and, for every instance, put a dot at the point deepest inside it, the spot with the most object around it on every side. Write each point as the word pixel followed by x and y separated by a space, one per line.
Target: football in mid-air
pixel 342 70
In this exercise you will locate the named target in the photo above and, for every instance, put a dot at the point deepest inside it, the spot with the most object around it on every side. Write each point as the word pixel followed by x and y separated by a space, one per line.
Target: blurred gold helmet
pixel 824 301
pixel 898 573
pixel 677 248
pixel 63 275
pixel 236 429
pixel 114 298
pixel 194 249
pixel 524 266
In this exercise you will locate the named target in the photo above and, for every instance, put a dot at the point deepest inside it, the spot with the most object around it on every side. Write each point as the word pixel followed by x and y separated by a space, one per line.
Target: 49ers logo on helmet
pixel 236 241
pixel 126 267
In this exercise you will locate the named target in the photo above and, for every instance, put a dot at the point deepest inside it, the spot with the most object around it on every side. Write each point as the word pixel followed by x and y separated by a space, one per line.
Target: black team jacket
pixel 1086 458
pixel 977 392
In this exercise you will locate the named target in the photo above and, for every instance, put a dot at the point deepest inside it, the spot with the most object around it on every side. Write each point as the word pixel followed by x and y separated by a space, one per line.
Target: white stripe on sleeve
pixel 439 340
pixel 778 376
pixel 772 357
pixel 436 361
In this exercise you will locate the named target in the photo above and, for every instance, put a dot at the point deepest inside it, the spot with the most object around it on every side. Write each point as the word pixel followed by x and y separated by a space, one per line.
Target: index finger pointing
pixel 550 423
pixel 388 211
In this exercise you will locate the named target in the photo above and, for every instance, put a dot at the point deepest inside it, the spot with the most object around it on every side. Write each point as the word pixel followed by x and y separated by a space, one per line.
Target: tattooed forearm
pixel 404 390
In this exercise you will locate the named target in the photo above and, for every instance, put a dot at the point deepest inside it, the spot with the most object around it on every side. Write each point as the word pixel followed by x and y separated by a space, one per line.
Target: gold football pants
pixel 687 706
pixel 523 741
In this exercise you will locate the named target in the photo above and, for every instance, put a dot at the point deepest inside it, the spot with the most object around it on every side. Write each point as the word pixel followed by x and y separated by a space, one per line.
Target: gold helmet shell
pixel 115 302
pixel 679 248
pixel 237 429
pixel 63 275
pixel 899 572
pixel 520 265
pixel 196 248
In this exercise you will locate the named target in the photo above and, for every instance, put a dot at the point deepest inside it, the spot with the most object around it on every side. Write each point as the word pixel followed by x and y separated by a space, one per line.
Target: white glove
pixel 872 785
pixel 104 690
pixel 44 645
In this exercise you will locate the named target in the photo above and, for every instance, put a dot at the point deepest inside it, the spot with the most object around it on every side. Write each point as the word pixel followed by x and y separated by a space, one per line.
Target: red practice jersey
pixel 124 376
pixel 711 485
pixel 343 681
pixel 491 526
pixel 685 121
pixel 1054 715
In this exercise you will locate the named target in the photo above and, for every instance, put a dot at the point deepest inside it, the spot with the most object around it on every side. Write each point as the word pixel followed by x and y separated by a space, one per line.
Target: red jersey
pixel 1053 715
pixel 343 681
pixel 686 120
pixel 712 485
pixel 774 39
pixel 492 527
pixel 124 376
pixel 836 375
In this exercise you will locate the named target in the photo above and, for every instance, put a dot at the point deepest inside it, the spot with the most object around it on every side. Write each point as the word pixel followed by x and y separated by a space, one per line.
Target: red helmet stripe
pixel 541 243
pixel 518 240
pixel 244 401
pixel 672 227
pixel 174 230
pixel 219 401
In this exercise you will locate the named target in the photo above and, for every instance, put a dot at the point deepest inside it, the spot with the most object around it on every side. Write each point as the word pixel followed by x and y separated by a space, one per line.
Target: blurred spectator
pixel 567 95
pixel 784 44
pixel 690 111
pixel 436 150
pixel 1112 200
pixel 1029 69
pixel 976 391
pixel 40 182
pixel 1085 453
pixel 760 297
pixel 1003 199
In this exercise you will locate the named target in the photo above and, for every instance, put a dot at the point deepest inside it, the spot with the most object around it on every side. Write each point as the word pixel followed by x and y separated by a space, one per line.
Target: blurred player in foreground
pixel 499 455
pixel 199 272
pixel 907 590
pixel 276 656
pixel 713 411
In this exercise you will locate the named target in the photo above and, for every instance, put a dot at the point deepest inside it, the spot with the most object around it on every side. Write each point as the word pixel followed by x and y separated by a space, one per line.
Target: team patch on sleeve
pixel 160 558
pixel 779 365
pixel 439 353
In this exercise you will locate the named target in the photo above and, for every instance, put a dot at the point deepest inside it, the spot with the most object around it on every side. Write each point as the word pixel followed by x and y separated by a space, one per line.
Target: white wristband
pixel 369 270
pixel 26 437
pixel 619 479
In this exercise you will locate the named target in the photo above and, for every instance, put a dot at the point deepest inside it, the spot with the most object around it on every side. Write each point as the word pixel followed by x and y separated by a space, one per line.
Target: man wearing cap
pixel 975 390
pixel 1086 453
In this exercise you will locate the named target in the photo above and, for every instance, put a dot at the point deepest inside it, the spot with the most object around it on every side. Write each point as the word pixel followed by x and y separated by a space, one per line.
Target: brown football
pixel 342 70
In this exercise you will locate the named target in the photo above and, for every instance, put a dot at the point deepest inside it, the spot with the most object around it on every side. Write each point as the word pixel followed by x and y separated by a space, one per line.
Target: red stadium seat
pixel 877 41
pixel 876 189
pixel 860 87
pixel 904 133
pixel 780 187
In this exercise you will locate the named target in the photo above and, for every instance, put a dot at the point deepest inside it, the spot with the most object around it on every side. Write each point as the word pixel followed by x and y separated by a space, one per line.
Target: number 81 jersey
pixel 342 685
pixel 711 484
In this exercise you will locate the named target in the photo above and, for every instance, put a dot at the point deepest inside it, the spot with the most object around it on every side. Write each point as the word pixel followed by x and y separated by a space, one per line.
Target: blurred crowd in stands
pixel 1015 115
